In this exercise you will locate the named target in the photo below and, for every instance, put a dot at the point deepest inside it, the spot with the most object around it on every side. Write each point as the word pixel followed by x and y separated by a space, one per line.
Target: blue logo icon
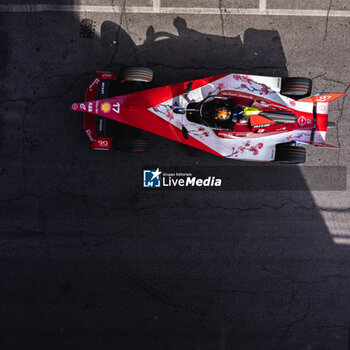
pixel 152 178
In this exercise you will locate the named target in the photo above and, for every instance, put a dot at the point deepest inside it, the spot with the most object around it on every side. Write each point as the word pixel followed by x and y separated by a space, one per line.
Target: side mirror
pixel 187 90
pixel 179 110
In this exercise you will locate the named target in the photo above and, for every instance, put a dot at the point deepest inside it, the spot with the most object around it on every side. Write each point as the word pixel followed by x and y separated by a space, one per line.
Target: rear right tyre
pixel 290 154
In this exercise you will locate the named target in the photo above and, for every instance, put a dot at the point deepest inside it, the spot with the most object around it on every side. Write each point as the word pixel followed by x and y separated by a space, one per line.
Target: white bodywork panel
pixel 258 148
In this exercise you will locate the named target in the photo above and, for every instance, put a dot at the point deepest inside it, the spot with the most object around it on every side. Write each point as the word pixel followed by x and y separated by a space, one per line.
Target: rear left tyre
pixel 296 87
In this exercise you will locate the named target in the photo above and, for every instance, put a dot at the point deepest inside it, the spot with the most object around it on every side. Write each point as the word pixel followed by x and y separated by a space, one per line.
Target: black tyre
pixel 137 145
pixel 290 154
pixel 296 87
pixel 141 74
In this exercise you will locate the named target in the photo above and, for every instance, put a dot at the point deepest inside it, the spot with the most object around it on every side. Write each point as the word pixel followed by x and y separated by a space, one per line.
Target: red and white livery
pixel 272 119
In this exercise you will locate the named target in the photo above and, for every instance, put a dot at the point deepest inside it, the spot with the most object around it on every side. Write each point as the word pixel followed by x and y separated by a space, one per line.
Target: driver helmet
pixel 222 114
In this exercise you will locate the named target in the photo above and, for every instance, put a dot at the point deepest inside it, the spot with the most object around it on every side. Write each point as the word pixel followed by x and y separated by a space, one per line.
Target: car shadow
pixel 192 54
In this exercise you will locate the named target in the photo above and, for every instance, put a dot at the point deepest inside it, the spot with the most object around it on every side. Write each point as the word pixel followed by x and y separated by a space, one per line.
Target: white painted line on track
pixel 262 5
pixel 170 10
pixel 156 5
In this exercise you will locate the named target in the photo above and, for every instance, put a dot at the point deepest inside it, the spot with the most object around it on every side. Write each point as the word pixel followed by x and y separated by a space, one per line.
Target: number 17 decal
pixel 116 107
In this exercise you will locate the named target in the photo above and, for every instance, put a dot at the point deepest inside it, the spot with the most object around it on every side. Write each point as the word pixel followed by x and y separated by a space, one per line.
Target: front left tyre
pixel 136 74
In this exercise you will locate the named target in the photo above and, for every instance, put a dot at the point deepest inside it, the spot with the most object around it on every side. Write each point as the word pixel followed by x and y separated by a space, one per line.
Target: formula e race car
pixel 235 116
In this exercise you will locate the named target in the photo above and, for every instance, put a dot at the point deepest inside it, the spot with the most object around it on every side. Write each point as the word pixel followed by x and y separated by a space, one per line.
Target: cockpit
pixel 222 112
pixel 215 111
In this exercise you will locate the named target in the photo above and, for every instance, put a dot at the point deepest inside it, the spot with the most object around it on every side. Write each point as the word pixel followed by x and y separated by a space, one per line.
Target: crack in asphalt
pixel 318 279
pixel 290 325
pixel 121 15
pixel 288 202
pixel 327 19
pixel 323 327
pixel 222 10
pixel 322 76
pixel 156 293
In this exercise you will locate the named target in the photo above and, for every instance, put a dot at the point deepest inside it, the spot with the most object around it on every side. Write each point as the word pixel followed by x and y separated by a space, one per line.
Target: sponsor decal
pixel 116 107
pixel 157 178
pixel 106 107
pixel 82 106
pixel 74 106
pixel 103 88
pixel 90 107
pixel 302 120
pixel 107 75
pixel 96 106
pixel 225 133
pixel 100 125
pixel 260 126
pixel 231 93
pixel 102 143
pixel 96 81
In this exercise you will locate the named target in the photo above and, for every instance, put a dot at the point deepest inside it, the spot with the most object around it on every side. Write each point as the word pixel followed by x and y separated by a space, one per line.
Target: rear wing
pixel 320 118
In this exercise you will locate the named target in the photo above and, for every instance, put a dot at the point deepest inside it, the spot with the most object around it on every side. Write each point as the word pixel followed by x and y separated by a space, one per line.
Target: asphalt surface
pixel 89 260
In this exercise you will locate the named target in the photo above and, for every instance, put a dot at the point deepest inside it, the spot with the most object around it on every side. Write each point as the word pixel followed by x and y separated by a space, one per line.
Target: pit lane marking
pixel 158 9
pixel 262 5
